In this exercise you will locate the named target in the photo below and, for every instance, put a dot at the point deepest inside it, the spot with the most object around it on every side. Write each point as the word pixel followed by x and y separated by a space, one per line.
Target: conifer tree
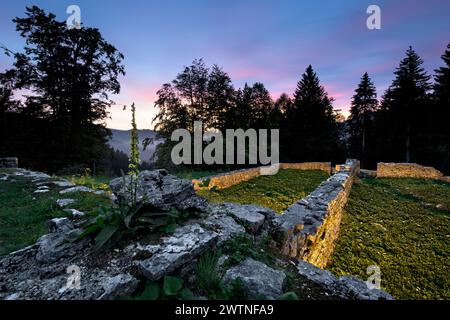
pixel 364 104
pixel 407 101
pixel 311 122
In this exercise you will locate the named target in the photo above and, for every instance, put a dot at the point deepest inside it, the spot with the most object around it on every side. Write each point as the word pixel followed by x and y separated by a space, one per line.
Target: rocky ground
pixel 56 267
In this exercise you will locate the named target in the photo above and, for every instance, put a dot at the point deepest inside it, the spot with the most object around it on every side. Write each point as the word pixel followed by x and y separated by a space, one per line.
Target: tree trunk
pixel 408 143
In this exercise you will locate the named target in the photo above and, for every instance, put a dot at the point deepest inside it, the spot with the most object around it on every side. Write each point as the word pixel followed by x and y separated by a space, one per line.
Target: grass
pixel 277 192
pixel 93 182
pixel 401 225
pixel 24 214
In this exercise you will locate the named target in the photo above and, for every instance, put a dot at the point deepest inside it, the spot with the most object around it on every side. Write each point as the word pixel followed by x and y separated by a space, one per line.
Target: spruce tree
pixel 409 97
pixel 364 104
pixel 311 122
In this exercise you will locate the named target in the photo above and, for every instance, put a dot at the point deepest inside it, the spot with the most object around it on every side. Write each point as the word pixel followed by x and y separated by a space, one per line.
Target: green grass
pixel 24 214
pixel 276 192
pixel 401 225
pixel 96 183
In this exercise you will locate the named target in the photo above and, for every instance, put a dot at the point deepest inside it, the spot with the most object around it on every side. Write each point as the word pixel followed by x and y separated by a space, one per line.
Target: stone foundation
pixel 232 178
pixel 10 162
pixel 310 227
pixel 406 170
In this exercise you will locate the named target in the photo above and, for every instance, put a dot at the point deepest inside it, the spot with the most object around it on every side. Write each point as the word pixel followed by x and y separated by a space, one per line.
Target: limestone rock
pixel 251 216
pixel 158 189
pixel 346 287
pixel 64 202
pixel 183 246
pixel 76 189
pixel 118 286
pixel 259 279
pixel 64 184
pixel 75 213
pixel 224 225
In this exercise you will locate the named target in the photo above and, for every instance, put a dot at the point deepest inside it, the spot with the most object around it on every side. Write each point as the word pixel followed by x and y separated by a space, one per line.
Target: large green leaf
pixel 288 296
pixel 151 292
pixel 172 285
pixel 187 294
pixel 104 236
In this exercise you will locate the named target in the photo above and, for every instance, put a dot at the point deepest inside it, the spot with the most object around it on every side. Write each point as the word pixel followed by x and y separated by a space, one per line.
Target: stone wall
pixel 232 178
pixel 308 229
pixel 10 162
pixel 406 170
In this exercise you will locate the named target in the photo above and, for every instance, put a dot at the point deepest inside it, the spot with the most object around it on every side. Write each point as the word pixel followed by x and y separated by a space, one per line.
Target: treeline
pixel 408 124
pixel 66 77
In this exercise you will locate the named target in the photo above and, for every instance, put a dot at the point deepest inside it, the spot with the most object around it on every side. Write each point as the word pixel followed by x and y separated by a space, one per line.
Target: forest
pixel 69 76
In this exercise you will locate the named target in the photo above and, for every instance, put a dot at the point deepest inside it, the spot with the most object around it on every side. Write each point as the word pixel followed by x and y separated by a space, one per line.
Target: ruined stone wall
pixel 235 177
pixel 406 170
pixel 11 162
pixel 309 228
pixel 324 166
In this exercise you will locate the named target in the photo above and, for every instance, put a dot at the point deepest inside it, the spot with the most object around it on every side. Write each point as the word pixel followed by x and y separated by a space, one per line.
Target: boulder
pixel 160 190
pixel 224 225
pixel 260 281
pixel 252 217
pixel 186 243
pixel 346 287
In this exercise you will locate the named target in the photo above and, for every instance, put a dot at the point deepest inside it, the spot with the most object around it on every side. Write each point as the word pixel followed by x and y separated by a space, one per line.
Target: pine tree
pixel 364 104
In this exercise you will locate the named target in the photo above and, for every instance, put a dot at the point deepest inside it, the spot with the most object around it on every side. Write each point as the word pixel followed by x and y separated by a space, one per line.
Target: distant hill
pixel 120 140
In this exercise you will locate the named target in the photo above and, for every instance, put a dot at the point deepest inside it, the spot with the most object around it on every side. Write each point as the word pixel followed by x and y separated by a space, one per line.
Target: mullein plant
pixel 134 159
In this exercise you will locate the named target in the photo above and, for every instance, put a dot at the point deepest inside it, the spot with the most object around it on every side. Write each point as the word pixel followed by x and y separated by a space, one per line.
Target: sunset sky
pixel 253 40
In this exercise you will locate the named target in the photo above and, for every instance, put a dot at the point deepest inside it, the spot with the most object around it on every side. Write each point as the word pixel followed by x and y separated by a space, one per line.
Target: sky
pixel 252 40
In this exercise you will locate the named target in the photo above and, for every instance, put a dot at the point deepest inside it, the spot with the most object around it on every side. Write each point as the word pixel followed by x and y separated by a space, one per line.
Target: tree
pixel 220 99
pixel 364 105
pixel 405 101
pixel 439 115
pixel 310 127
pixel 70 74
pixel 442 90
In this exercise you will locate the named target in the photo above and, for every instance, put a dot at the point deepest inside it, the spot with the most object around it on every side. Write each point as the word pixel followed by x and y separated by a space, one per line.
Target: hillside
pixel 120 140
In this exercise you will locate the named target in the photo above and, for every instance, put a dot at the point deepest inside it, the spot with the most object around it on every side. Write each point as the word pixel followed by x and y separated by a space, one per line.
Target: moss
pixel 277 192
pixel 395 224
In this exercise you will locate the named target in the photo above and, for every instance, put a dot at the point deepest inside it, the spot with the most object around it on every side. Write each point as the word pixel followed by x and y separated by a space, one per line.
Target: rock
pixel 225 226
pixel 76 189
pixel 64 184
pixel 59 225
pixel 41 191
pixel 119 286
pixel 250 216
pixel 75 213
pixel 160 190
pixel 260 281
pixel 54 246
pixel 64 202
pixel 186 243
pixel 346 287
pixel 100 192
